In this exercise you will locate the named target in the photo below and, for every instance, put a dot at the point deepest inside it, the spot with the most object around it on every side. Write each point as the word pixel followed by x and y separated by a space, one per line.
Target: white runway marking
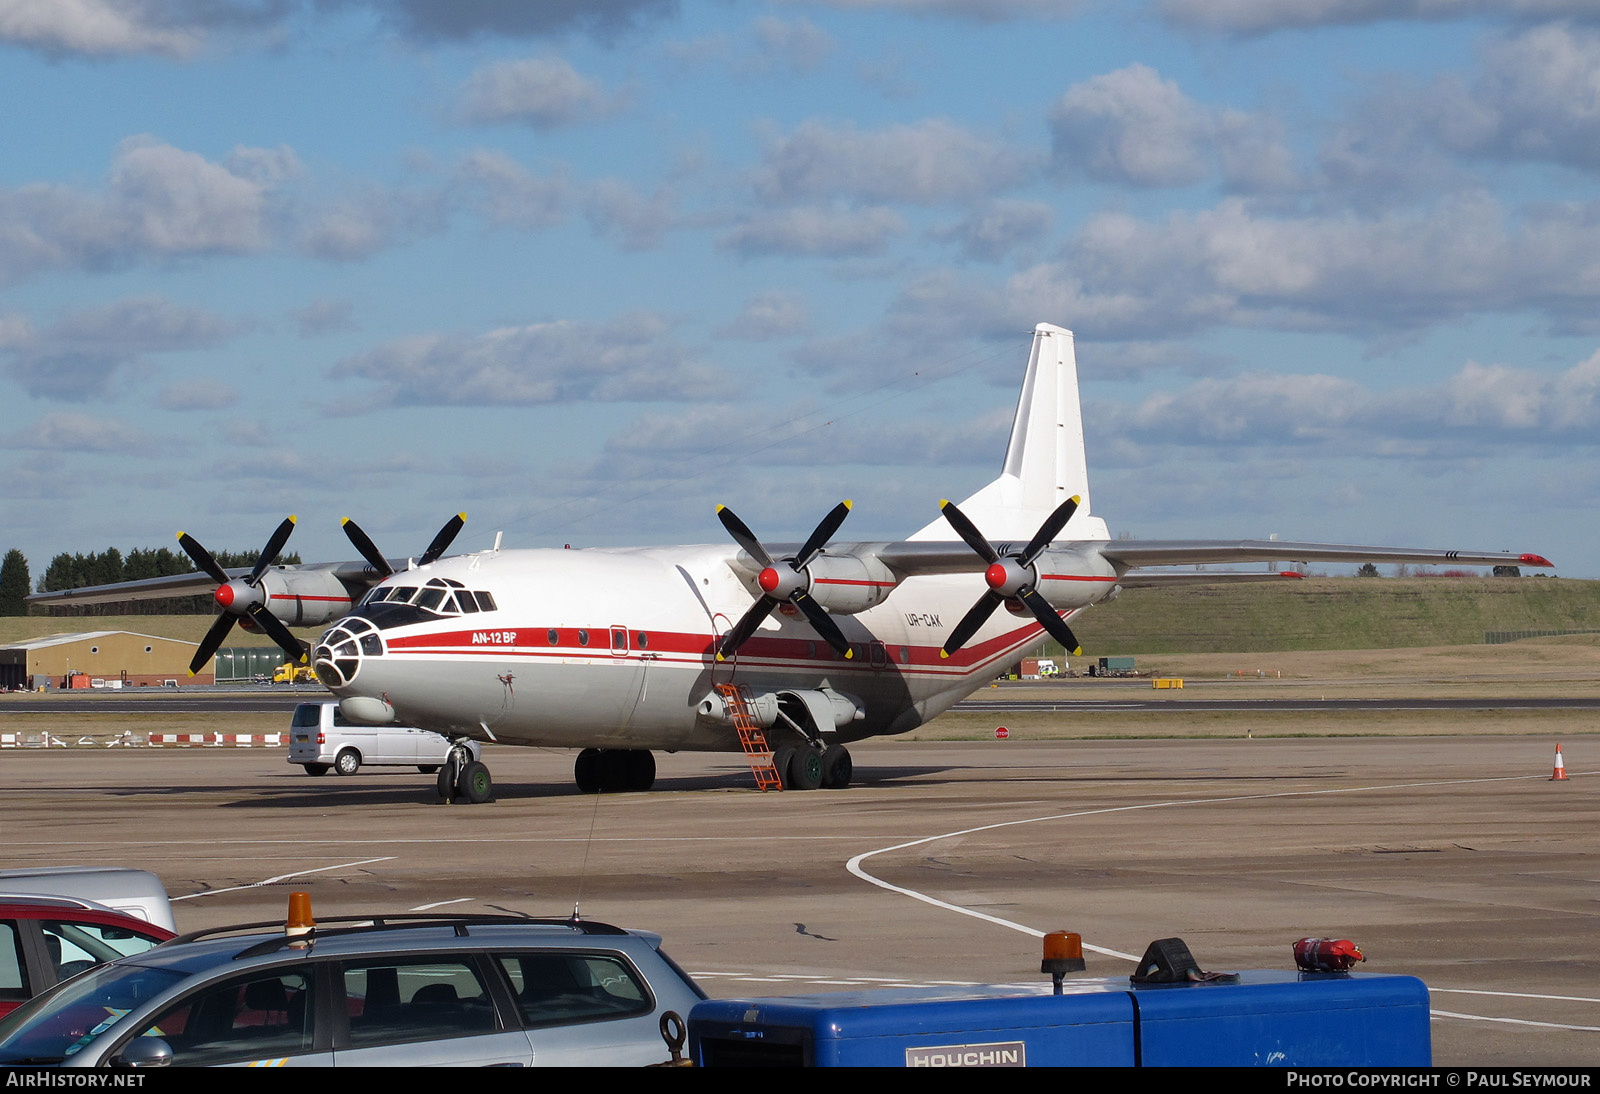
pixel 855 867
pixel 441 904
pixel 283 877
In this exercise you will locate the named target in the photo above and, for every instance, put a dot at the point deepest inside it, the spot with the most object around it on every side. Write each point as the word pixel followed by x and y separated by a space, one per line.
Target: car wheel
pixel 347 762
pixel 475 784
pixel 316 769
pixel 427 769
pixel 805 769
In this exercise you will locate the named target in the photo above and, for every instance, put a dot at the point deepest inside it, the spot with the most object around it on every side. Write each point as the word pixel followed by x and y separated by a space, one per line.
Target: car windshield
pixel 68 1018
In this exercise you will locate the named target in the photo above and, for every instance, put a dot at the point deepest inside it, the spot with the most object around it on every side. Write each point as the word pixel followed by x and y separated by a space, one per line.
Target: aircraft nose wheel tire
pixel 347 762
pixel 805 769
pixel 837 768
pixel 475 785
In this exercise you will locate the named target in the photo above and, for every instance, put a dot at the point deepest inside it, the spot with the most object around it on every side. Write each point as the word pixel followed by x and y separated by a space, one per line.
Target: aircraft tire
pixel 316 769
pixel 442 784
pixel 837 768
pixel 780 763
pixel 640 765
pixel 475 784
pixel 347 762
pixel 805 769
pixel 586 771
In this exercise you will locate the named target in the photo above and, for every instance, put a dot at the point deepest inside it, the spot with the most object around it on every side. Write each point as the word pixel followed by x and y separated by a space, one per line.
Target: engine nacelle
pixel 1073 579
pixel 845 585
pixel 822 710
pixel 305 598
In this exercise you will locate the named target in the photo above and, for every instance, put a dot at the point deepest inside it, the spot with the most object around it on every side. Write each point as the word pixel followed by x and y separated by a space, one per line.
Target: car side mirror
pixel 144 1052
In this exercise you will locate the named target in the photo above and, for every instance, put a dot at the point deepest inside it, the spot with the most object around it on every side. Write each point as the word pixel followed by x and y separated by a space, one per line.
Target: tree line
pixel 78 571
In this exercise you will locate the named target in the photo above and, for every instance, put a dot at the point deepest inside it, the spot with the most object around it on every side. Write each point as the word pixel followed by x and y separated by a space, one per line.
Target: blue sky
pixel 586 268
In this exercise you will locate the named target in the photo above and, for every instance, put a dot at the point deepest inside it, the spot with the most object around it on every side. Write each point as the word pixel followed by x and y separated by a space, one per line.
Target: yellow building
pixel 100 659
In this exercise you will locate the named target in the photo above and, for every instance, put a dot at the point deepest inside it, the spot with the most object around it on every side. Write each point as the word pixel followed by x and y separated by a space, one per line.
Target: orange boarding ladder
pixel 751 738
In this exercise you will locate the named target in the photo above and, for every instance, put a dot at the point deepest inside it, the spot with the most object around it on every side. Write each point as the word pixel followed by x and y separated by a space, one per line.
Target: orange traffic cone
pixel 1561 768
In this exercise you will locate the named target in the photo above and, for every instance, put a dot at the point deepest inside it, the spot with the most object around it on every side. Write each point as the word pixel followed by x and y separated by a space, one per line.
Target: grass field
pixel 1311 614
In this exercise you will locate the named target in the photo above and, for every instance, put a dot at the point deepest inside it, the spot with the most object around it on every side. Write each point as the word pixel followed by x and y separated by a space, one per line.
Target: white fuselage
pixel 616 648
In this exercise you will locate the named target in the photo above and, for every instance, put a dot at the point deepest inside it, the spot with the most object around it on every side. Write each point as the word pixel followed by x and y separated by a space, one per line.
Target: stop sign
pixel 1001 733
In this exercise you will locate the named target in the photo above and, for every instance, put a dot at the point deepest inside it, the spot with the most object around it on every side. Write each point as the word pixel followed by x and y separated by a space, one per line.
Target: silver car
pixel 397 990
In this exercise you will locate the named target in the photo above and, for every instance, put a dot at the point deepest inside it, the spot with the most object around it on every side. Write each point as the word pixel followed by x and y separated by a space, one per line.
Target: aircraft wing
pixel 357 575
pixel 1130 553
pixel 1161 579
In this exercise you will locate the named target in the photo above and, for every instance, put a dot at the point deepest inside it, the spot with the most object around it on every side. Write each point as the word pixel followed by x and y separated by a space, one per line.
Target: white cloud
pixel 769 315
pixel 198 393
pixel 809 230
pixel 99 28
pixel 929 162
pixel 64 431
pixel 540 92
pixel 160 201
pixel 507 193
pixel 75 358
pixel 614 207
pixel 1265 16
pixel 629 359
pixel 997 228
pixel 797 45
pixel 1132 127
pixel 984 11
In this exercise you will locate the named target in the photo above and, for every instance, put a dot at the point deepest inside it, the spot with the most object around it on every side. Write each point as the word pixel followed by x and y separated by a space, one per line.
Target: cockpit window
pixel 485 602
pixel 430 598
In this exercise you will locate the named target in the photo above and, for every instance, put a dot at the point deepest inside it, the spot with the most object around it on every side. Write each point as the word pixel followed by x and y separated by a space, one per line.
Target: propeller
pixel 436 549
pixel 784 580
pixel 242 596
pixel 1010 577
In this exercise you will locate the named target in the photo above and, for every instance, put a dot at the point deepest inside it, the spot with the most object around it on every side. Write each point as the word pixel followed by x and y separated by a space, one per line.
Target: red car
pixel 46 939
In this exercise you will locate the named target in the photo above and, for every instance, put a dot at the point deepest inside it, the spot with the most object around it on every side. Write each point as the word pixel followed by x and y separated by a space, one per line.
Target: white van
pixel 320 738
pixel 138 893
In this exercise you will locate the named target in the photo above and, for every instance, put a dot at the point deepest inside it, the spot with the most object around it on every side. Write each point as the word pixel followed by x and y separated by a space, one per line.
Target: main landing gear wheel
pixel 837 768
pixel 475 785
pixel 446 783
pixel 613 770
pixel 805 769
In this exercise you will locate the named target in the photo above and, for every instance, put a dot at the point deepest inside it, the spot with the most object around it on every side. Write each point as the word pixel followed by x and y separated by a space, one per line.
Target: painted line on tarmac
pixel 284 877
pixel 1512 1021
pixel 442 903
pixel 855 867
pixel 1516 995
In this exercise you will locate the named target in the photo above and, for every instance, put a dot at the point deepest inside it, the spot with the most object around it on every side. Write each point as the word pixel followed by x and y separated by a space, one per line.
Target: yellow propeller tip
pixel 848 654
pixel 343 521
pixel 943 654
pixel 943 502
pixel 720 507
pixel 463 516
pixel 848 504
pixel 293 519
pixel 1077 499
pixel 1078 652
pixel 182 534
pixel 719 657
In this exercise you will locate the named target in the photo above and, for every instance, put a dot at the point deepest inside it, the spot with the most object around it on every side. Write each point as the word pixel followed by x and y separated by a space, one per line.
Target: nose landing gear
pixel 462 778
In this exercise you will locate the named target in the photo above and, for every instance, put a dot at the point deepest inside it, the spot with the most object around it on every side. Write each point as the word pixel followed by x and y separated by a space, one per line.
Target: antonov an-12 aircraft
pixel 619 652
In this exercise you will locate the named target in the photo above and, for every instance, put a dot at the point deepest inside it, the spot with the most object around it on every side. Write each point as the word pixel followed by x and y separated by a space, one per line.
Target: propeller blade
pixel 746 626
pixel 975 618
pixel 968 532
pixel 211 642
pixel 1049 530
pixel 270 553
pixel 822 534
pixel 1047 617
pixel 442 541
pixel 369 550
pixel 275 630
pixel 743 536
pixel 202 558
pixel 823 624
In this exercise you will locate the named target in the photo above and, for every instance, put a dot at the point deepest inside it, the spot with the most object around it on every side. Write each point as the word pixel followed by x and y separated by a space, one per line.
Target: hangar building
pixel 117 658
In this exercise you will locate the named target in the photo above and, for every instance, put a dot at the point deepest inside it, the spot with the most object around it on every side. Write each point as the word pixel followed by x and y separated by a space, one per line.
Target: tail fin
pixel 1045 463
